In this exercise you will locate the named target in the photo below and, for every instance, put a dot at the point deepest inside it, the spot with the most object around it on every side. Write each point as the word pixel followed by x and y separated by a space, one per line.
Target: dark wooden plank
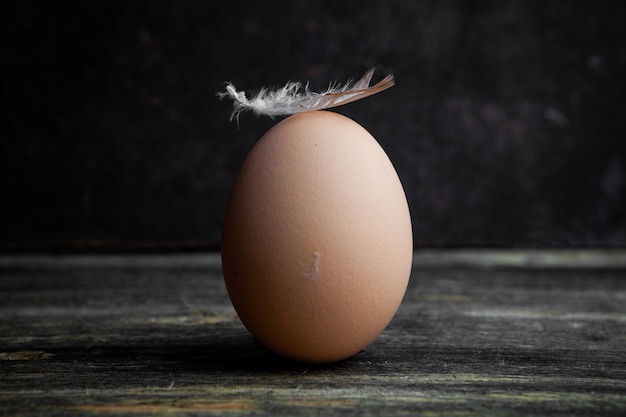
pixel 479 333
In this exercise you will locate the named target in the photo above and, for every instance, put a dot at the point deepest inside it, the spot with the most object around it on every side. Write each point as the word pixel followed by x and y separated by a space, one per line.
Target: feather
pixel 294 98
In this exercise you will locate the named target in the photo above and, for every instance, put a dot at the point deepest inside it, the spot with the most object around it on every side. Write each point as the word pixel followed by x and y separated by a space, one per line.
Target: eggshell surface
pixel 317 240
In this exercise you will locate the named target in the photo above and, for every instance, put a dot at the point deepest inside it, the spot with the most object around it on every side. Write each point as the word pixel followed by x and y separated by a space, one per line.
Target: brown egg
pixel 317 241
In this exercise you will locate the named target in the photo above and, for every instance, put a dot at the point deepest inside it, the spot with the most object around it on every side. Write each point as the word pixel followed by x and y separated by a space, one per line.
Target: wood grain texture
pixel 478 333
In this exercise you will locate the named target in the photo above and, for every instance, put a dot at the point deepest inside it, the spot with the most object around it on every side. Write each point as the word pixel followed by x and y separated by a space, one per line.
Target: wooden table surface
pixel 479 333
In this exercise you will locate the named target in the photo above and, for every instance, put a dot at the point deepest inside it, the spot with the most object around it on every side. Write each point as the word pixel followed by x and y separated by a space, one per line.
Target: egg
pixel 317 240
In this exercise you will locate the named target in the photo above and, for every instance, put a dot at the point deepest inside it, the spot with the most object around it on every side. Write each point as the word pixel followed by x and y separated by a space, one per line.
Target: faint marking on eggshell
pixel 315 269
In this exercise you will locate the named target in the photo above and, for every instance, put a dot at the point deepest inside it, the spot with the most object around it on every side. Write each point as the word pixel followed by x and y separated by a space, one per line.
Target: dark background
pixel 506 126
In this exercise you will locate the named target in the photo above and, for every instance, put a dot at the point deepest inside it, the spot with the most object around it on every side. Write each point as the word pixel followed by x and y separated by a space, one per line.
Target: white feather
pixel 294 98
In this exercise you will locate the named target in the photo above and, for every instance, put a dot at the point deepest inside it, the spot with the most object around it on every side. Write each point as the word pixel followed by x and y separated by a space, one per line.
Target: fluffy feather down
pixel 294 98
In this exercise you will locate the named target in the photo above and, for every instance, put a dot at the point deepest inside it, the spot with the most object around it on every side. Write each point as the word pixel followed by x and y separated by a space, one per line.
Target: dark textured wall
pixel 506 126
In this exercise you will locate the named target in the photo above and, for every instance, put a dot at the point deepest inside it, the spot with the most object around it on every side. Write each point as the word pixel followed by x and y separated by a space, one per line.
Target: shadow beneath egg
pixel 243 354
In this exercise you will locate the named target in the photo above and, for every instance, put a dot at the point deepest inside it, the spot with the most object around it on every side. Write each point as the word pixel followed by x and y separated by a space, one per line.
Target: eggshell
pixel 317 240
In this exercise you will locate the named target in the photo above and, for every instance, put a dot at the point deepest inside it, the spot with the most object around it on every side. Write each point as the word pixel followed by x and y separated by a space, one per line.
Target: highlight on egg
pixel 317 241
